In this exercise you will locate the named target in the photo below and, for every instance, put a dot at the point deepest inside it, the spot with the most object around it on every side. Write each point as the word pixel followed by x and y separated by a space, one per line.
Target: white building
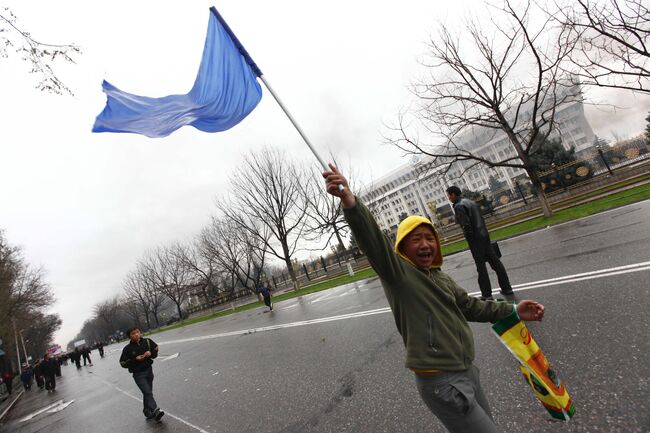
pixel 406 191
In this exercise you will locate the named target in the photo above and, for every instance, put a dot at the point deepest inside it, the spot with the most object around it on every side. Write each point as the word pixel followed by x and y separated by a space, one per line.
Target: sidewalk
pixel 9 400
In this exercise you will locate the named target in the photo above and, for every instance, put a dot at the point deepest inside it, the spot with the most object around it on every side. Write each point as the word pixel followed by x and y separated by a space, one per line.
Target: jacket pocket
pixel 430 333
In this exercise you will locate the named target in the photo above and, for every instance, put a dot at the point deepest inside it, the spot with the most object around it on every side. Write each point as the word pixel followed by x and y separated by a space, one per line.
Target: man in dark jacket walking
pixel 85 352
pixel 431 312
pixel 468 216
pixel 48 367
pixel 76 357
pixel 266 294
pixel 138 357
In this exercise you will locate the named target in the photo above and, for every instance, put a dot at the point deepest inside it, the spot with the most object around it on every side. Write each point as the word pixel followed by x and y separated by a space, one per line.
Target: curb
pixel 8 408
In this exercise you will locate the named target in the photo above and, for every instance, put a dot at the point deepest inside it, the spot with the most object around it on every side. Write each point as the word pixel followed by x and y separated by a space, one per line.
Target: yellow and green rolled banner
pixel 536 369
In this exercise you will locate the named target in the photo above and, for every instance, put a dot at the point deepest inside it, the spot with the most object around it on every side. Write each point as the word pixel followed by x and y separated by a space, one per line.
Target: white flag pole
pixel 293 121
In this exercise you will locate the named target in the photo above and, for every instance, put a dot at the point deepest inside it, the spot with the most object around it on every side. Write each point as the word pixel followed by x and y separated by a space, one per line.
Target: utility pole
pixel 23 343
pixel 20 370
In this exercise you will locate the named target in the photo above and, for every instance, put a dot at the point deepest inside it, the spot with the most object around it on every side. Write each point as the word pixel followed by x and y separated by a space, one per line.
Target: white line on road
pixel 38 412
pixel 584 274
pixel 573 280
pixel 619 270
pixel 128 394
pixel 60 407
pixel 168 357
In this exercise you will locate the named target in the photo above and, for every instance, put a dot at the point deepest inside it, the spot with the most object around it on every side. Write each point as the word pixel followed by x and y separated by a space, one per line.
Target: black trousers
pixel 50 382
pixel 483 253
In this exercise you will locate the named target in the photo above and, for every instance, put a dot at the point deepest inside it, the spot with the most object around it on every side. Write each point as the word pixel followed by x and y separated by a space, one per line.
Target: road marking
pixel 60 407
pixel 168 357
pixel 619 270
pixel 323 298
pixel 128 394
pixel 573 280
pixel 584 274
pixel 54 407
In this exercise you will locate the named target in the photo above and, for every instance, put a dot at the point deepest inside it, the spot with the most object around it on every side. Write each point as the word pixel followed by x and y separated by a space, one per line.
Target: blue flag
pixel 225 91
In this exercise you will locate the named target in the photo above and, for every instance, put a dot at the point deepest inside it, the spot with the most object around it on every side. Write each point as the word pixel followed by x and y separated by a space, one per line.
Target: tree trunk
pixel 287 261
pixel 146 317
pixel 539 191
pixel 338 238
pixel 180 312
pixel 155 316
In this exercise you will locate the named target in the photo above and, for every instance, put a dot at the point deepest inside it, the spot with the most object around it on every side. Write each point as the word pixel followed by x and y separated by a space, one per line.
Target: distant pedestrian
pixel 76 357
pixel 48 366
pixel 8 378
pixel 26 377
pixel 85 352
pixel 138 357
pixel 38 374
pixel 100 349
pixel 468 216
pixel 266 294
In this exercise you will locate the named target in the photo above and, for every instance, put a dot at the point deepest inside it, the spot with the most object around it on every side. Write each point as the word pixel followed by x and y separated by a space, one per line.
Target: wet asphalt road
pixel 347 375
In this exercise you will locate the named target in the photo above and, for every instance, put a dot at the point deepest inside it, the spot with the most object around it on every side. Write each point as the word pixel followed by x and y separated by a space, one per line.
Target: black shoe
pixel 159 414
pixel 486 298
pixel 510 293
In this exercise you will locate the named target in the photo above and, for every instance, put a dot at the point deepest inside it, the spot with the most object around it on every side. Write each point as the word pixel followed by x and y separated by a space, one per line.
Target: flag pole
pixel 258 72
pixel 294 123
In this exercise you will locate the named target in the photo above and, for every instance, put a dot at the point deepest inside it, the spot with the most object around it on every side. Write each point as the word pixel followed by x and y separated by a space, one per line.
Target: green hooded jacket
pixel 431 311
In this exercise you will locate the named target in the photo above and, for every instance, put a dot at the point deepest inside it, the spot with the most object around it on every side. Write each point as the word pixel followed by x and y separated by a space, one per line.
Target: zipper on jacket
pixel 430 328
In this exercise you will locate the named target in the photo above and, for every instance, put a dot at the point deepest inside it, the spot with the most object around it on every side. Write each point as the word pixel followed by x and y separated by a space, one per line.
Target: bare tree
pixel 172 278
pixel 37 330
pixel 136 292
pixel 239 254
pixel 507 80
pixel 23 289
pixel 202 263
pixel 133 309
pixel 612 42
pixel 267 204
pixel 106 313
pixel 39 55
pixel 324 212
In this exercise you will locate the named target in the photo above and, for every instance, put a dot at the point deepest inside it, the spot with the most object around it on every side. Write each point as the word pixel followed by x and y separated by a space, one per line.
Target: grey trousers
pixel 457 399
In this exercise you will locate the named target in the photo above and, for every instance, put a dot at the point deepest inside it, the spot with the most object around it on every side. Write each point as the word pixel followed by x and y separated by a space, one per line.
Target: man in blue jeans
pixel 138 357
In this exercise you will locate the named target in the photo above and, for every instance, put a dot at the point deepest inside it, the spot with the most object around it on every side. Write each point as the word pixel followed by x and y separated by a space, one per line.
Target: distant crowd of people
pixel 45 370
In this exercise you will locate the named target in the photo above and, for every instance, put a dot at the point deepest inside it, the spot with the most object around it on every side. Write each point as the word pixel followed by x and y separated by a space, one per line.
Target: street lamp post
pixel 23 343
pixel 20 370
pixel 602 156
pixel 520 192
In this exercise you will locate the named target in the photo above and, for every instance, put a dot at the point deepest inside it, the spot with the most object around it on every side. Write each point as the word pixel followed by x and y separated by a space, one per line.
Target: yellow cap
pixel 407 226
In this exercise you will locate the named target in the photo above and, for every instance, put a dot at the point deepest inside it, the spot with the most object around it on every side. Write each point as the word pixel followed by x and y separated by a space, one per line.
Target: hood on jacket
pixel 407 226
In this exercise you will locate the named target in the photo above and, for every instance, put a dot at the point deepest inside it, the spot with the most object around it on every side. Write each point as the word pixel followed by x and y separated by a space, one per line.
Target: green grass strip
pixel 324 285
pixel 618 199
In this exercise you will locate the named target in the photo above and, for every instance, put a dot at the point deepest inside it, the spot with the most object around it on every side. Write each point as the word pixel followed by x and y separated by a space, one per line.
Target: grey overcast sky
pixel 86 206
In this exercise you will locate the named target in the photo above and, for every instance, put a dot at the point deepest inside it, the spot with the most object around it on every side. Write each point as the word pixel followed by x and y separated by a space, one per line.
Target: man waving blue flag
pixel 225 91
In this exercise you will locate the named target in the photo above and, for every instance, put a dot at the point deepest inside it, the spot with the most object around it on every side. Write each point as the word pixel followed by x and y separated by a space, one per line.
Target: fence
pixel 560 183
